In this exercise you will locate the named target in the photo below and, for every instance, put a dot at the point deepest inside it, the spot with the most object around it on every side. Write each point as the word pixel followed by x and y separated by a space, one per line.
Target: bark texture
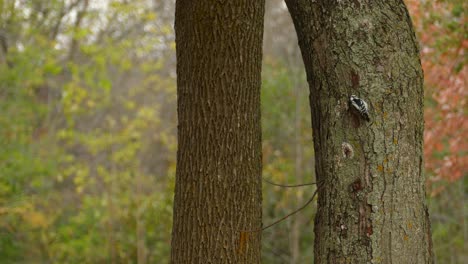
pixel 371 206
pixel 218 178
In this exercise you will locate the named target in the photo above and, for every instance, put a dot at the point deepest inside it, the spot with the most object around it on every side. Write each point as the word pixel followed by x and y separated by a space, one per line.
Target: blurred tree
pixel 442 30
pixel 88 133
pixel 371 205
pixel 88 145
pixel 218 179
pixel 287 158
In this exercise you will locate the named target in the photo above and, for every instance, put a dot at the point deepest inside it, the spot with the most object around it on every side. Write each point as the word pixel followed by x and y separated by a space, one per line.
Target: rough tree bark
pixel 371 206
pixel 218 178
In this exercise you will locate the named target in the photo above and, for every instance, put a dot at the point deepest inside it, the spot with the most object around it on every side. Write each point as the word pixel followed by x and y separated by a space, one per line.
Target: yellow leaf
pixel 35 219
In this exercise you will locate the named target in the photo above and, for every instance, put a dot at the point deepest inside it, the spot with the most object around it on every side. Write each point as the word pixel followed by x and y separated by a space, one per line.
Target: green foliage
pixel 24 162
pixel 75 130
pixel 88 137
pixel 448 215
pixel 288 159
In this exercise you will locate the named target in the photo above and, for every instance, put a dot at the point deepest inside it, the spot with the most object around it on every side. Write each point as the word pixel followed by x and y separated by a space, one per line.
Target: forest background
pixel 88 131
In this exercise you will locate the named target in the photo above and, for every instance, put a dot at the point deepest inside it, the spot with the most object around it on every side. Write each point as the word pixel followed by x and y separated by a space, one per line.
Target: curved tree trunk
pixel 218 178
pixel 371 206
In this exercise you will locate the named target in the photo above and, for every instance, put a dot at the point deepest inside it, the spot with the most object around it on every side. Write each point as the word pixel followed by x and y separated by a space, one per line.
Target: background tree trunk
pixel 297 222
pixel 218 178
pixel 371 206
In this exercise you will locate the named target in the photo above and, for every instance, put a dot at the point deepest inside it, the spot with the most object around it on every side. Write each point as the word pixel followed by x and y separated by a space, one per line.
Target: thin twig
pixel 289 186
pixel 283 218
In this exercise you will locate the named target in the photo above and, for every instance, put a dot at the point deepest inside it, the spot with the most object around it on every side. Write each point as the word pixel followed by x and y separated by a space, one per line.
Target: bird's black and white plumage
pixel 360 106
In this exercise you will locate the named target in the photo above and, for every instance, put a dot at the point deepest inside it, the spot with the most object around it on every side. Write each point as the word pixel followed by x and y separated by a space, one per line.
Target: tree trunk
pixel 371 205
pixel 297 221
pixel 218 178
